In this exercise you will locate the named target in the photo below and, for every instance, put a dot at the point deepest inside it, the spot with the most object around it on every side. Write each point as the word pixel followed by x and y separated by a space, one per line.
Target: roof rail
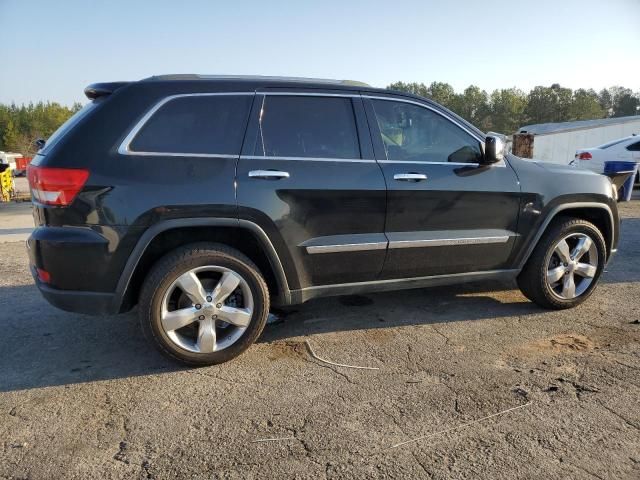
pixel 194 76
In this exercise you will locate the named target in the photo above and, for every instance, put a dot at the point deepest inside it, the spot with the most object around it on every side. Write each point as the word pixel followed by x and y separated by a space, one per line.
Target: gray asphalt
pixel 86 397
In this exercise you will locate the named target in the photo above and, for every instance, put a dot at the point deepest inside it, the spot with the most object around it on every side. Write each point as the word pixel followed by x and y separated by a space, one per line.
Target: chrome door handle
pixel 410 177
pixel 268 174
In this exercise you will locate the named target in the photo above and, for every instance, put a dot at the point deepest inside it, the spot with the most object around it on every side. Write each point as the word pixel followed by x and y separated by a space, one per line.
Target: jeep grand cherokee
pixel 207 200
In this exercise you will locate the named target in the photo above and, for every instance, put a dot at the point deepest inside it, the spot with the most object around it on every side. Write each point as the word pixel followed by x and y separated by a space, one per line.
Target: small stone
pixel 521 392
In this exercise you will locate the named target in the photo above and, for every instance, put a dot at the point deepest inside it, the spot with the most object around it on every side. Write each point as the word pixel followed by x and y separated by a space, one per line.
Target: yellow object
pixel 6 185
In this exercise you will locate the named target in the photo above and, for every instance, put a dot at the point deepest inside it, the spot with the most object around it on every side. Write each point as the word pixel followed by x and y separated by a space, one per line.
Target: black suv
pixel 207 200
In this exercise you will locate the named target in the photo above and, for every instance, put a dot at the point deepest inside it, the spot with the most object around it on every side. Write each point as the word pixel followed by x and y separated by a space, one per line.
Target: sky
pixel 50 50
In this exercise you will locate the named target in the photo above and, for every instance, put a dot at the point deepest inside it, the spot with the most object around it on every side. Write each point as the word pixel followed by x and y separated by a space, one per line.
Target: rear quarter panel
pixel 126 194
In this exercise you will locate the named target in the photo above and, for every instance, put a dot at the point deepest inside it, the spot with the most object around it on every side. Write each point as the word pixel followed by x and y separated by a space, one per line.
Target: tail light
pixel 584 156
pixel 56 186
pixel 43 275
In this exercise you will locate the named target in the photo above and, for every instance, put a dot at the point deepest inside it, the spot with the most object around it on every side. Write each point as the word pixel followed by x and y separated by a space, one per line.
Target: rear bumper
pixel 74 258
pixel 92 303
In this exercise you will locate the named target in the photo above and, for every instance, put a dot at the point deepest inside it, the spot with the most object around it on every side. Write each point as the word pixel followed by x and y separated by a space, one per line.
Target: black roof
pixel 186 81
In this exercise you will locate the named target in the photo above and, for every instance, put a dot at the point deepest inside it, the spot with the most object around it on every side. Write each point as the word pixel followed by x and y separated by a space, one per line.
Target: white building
pixel 558 142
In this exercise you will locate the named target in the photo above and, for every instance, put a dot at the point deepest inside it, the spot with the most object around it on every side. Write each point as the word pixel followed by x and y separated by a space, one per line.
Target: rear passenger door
pixel 308 177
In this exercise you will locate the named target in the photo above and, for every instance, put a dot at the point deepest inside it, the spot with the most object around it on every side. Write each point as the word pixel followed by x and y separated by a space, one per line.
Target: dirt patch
pixel 559 344
pixel 282 350
pixel 379 335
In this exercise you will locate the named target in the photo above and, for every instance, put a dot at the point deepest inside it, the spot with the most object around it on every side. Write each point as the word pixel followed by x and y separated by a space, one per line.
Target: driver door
pixel 446 213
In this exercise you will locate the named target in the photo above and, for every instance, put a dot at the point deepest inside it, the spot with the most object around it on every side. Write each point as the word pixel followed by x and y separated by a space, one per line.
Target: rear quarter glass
pixel 67 126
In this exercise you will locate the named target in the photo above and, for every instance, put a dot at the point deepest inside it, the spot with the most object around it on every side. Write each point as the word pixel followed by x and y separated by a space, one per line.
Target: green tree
pixel 414 88
pixel 507 110
pixel 443 93
pixel 585 105
pixel 626 104
pixel 21 125
pixel 548 104
pixel 606 101
pixel 473 105
pixel 440 92
pixel 10 137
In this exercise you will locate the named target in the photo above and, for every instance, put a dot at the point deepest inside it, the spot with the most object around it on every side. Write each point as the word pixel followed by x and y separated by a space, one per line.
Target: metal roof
pixel 547 128
pixel 194 76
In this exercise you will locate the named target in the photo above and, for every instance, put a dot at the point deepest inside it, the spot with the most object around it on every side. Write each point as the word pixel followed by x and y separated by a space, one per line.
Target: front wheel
pixel 203 304
pixel 565 266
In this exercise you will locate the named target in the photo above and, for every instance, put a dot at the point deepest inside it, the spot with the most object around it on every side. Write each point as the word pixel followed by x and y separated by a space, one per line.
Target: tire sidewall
pixel 151 319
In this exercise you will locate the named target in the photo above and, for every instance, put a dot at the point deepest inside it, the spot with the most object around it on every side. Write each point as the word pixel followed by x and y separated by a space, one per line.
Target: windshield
pixel 67 126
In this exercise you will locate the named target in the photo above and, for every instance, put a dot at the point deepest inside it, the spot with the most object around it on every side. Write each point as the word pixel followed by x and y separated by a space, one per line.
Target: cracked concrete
pixel 84 397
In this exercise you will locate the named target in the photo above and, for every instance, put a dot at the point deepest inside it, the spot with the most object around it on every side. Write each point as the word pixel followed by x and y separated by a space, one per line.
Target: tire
pixel 187 322
pixel 546 264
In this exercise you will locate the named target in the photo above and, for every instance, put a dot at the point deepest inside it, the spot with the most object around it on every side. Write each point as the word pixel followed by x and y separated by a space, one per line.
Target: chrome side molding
pixel 443 242
pixel 380 241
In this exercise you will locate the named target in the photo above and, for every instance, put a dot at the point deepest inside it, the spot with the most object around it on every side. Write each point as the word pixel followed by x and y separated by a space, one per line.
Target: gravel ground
pixel 86 397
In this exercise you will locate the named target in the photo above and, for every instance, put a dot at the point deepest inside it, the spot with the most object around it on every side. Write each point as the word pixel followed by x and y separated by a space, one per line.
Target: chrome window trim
pixel 424 162
pixel 317 159
pixel 446 117
pixel 308 159
pixel 124 148
pixel 173 154
pixel 307 94
pixel 428 107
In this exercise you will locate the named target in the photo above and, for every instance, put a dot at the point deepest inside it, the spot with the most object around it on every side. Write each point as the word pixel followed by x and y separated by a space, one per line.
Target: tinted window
pixel 414 133
pixel 320 127
pixel 199 124
pixel 634 147
pixel 68 125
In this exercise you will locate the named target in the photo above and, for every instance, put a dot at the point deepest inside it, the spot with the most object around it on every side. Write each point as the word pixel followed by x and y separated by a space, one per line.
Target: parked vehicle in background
pixel 8 158
pixel 624 149
pixel 558 142
pixel 205 200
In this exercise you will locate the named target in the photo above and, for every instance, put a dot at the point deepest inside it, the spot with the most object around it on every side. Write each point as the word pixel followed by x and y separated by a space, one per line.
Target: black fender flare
pixel 154 230
pixel 554 212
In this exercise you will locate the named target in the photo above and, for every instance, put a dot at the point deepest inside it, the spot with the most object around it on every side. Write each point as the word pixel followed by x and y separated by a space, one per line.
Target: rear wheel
pixel 565 265
pixel 204 304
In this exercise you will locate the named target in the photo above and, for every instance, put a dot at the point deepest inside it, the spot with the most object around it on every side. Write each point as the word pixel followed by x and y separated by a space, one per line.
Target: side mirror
pixel 494 148
pixel 40 143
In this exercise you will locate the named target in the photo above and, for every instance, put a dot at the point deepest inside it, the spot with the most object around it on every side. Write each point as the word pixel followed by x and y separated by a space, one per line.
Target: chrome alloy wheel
pixel 206 309
pixel 572 266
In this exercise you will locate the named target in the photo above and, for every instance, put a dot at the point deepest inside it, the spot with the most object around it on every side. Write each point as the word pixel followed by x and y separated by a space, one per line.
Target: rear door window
pixel 308 127
pixel 198 124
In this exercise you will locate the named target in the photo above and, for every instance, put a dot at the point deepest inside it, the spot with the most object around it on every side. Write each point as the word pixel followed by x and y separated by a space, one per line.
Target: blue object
pixel 618 167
